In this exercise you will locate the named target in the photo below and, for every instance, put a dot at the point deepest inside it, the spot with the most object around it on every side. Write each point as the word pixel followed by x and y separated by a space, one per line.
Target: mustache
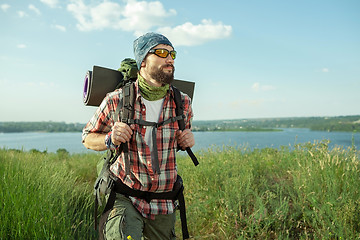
pixel 168 65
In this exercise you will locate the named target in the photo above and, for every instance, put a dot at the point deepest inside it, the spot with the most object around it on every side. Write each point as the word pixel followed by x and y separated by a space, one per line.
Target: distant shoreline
pixel 241 130
pixel 328 124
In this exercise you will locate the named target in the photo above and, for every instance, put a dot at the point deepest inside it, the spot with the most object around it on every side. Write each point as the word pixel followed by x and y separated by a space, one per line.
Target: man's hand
pixel 185 139
pixel 121 133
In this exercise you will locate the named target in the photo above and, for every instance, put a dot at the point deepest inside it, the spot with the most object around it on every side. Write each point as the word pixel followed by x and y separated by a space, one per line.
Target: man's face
pixel 160 69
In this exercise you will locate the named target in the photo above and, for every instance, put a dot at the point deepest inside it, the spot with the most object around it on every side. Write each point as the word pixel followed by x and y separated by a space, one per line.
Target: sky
pixel 248 59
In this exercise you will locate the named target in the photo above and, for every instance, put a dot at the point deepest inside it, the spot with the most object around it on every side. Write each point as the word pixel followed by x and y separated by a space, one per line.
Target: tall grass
pixel 307 192
pixel 310 192
pixel 43 196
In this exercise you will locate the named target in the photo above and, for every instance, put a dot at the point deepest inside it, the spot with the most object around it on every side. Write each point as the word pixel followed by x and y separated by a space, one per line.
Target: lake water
pixel 204 140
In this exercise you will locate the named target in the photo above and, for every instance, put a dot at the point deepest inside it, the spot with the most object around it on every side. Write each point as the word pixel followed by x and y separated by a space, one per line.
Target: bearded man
pixel 152 149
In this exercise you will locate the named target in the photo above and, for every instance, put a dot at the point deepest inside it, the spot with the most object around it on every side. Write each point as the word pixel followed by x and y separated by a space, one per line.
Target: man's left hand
pixel 185 138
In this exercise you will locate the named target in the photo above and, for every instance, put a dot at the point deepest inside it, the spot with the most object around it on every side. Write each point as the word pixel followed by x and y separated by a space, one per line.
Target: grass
pixel 307 192
pixel 45 196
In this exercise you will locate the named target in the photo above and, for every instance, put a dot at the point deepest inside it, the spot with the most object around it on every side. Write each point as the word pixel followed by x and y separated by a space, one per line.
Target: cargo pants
pixel 124 221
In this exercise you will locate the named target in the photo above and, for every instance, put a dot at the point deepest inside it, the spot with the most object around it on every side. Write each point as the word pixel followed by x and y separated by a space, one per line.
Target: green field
pixel 309 192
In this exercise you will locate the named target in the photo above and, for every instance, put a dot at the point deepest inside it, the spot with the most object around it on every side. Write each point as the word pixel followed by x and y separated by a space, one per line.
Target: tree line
pixel 10 127
pixel 330 124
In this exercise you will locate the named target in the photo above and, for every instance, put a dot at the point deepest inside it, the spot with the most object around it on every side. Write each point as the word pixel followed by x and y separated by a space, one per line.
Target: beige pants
pixel 124 221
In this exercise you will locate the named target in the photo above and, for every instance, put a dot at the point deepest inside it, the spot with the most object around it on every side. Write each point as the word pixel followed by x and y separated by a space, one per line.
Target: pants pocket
pixel 115 224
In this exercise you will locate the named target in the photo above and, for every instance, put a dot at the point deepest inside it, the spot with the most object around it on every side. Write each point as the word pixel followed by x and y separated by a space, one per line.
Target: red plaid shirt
pixel 141 175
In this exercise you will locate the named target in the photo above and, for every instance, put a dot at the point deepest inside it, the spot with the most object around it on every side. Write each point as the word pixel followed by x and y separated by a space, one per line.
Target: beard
pixel 163 77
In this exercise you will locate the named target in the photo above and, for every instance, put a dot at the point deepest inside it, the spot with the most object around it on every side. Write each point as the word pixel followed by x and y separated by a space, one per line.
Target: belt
pixel 175 194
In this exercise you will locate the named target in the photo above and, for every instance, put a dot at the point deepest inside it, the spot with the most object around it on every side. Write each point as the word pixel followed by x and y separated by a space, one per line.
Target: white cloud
pixel 21 46
pixel 33 8
pixel 190 35
pixel 50 3
pixel 21 14
pixel 142 16
pixel 104 15
pixel 325 70
pixel 136 16
pixel 258 87
pixel 4 7
pixel 60 27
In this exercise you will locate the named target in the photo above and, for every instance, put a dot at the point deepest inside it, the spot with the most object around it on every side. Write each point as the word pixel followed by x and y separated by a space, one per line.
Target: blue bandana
pixel 144 43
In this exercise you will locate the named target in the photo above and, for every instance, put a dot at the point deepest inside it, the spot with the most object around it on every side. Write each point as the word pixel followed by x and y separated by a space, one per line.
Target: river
pixel 288 137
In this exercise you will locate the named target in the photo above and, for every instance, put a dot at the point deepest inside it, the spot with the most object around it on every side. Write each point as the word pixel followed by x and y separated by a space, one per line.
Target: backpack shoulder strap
pixel 127 108
pixel 118 110
pixel 125 113
pixel 180 112
pixel 179 107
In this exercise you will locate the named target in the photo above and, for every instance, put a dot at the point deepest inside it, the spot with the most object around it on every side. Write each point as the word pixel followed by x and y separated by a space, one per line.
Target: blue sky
pixel 249 59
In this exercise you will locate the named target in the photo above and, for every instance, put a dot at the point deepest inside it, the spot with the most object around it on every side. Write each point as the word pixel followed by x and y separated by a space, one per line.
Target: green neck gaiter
pixel 151 93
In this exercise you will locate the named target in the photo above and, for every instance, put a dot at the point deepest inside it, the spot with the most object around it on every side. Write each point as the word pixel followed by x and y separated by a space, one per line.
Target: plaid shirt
pixel 141 175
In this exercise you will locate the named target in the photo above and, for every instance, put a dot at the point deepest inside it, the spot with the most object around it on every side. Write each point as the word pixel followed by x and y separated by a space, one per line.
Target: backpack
pixel 106 184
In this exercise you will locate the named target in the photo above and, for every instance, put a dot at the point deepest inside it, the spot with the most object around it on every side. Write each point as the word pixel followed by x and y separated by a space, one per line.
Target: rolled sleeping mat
pixel 98 83
pixel 101 81
pixel 185 86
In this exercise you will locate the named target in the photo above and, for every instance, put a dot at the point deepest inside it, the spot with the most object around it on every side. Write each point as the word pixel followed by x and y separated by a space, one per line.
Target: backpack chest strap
pixel 155 159
pixel 142 122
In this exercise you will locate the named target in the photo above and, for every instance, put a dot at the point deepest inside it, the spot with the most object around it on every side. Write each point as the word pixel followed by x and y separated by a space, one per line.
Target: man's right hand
pixel 121 133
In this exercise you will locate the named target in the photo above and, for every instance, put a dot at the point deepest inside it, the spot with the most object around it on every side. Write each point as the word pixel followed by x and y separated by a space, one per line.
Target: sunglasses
pixel 163 53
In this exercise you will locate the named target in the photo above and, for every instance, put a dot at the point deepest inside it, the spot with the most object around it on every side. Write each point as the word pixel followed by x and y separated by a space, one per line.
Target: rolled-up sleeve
pixel 103 119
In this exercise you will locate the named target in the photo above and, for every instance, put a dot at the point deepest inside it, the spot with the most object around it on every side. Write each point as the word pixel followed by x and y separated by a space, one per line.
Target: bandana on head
pixel 144 43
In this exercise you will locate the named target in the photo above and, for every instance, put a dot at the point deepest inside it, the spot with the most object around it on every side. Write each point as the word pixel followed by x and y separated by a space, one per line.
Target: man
pixel 152 153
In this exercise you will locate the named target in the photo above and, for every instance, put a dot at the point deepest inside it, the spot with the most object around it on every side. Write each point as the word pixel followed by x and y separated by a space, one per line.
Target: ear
pixel 143 64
